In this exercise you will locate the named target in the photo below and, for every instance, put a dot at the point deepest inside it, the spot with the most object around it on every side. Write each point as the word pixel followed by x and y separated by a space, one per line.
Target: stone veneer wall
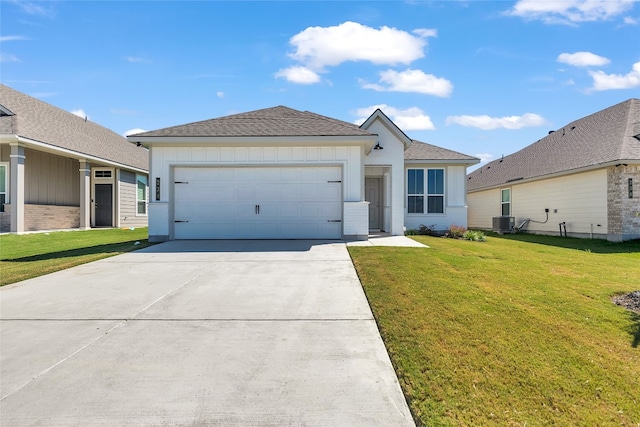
pixel 623 212
pixel 50 217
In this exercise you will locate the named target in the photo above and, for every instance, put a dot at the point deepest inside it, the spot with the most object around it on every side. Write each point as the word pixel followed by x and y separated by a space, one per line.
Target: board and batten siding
pixel 51 179
pixel 579 200
pixel 163 160
pixel 127 201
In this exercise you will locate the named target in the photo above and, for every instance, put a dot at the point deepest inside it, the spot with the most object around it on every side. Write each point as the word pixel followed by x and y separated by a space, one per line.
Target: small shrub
pixel 456 231
pixel 411 232
pixel 426 230
pixel 474 235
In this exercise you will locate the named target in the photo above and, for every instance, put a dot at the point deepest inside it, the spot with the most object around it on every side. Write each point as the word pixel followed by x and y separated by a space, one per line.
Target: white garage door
pixel 258 203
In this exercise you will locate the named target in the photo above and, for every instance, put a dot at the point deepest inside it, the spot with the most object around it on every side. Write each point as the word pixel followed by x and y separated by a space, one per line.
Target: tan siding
pixel 580 200
pixel 127 200
pixel 483 206
pixel 51 180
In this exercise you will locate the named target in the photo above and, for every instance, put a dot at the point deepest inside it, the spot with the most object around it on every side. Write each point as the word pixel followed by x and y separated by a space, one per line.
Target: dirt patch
pixel 630 301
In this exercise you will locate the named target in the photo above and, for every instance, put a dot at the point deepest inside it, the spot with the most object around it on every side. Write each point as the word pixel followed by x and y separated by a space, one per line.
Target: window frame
pixel 503 202
pixel 430 191
pixel 416 195
pixel 5 165
pixel 439 195
pixel 139 201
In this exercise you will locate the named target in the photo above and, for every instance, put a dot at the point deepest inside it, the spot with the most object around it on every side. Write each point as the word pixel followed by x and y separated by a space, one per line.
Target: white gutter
pixel 14 139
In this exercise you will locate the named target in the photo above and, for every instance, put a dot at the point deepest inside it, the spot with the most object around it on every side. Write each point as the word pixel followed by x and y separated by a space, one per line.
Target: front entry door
pixel 103 206
pixel 372 195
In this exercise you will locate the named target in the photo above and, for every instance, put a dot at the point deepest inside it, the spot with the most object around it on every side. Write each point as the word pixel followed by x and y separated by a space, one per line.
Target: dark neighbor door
pixel 104 208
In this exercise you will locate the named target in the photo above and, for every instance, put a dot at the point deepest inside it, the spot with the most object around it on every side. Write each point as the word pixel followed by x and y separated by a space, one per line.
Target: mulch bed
pixel 630 301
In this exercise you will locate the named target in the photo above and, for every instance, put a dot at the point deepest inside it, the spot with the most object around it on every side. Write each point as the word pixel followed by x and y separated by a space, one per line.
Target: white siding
pixel 580 200
pixel 392 156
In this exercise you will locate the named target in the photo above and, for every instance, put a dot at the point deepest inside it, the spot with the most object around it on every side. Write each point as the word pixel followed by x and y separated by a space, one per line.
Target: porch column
pixel 17 188
pixel 85 195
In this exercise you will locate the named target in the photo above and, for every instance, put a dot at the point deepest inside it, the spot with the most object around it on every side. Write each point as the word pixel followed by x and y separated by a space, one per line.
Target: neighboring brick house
pixel 61 171
pixel 587 174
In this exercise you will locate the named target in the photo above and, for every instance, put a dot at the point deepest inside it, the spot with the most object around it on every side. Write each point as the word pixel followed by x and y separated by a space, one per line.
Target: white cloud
pixel 485 122
pixel 570 11
pixel 415 81
pixel 299 74
pixel 80 113
pixel 484 157
pixel 12 38
pixel 628 20
pixel 412 118
pixel 35 8
pixel 220 94
pixel 133 131
pixel 8 57
pixel 583 59
pixel 603 81
pixel 319 47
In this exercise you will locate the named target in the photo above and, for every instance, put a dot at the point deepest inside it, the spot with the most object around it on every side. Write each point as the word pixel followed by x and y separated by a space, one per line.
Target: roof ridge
pixel 334 120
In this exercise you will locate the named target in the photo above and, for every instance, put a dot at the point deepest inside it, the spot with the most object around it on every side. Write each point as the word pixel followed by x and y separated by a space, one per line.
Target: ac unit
pixel 504 224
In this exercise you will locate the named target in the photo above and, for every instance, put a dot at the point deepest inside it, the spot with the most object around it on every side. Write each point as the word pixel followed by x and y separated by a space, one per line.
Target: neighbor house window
pixel 141 194
pixel 415 191
pixel 435 190
pixel 506 201
pixel 3 186
pixel 433 181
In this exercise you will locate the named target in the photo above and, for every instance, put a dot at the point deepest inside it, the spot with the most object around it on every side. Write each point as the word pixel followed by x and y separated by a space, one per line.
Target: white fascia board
pixel 386 121
pixel 40 146
pixel 554 175
pixel 368 141
pixel 444 162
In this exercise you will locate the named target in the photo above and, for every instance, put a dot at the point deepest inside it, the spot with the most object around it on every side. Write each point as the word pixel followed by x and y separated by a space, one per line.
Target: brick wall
pixel 623 212
pixel 50 217
pixel 5 219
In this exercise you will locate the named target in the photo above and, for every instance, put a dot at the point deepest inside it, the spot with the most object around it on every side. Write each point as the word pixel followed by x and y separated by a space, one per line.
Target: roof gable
pixel 602 138
pixel 43 123
pixel 269 122
pixel 395 130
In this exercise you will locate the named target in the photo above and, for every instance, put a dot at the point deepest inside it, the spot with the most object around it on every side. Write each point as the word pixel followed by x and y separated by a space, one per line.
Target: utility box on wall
pixel 504 224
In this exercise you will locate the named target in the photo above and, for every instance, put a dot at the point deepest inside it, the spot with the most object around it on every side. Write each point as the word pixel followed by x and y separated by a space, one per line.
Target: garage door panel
pixel 222 203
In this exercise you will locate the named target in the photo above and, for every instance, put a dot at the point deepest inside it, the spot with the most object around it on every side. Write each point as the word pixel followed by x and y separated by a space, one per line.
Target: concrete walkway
pixel 228 333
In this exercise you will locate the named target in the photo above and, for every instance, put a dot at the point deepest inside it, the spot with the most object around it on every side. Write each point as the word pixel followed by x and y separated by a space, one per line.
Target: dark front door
pixel 104 208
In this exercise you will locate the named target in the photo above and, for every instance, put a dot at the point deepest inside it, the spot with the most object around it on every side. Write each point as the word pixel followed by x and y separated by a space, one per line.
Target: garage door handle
pixel 257 209
pixel 334 220
pixel 180 220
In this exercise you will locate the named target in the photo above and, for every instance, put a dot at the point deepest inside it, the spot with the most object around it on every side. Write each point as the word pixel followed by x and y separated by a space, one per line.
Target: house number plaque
pixel 158 188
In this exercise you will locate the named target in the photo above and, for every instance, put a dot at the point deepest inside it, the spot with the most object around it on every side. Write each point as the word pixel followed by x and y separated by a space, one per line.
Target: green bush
pixel 474 235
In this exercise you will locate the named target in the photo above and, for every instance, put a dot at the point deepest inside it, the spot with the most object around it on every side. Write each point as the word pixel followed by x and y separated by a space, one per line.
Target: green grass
pixel 518 330
pixel 30 255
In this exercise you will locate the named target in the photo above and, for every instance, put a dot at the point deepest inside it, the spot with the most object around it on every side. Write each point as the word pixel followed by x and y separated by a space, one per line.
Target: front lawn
pixel 518 330
pixel 30 255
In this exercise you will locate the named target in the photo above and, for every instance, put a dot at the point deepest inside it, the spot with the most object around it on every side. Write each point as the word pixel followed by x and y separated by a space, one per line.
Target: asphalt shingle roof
pixel 422 151
pixel 603 137
pixel 42 122
pixel 275 121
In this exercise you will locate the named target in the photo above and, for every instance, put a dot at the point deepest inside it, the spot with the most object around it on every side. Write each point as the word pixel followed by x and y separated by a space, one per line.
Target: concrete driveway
pixel 219 333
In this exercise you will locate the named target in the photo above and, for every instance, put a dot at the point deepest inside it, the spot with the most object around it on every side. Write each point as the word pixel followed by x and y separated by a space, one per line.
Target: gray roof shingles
pixel 600 138
pixel 268 122
pixel 422 151
pixel 42 122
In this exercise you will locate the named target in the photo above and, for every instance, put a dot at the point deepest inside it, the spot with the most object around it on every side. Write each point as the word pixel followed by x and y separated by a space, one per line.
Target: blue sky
pixel 485 78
